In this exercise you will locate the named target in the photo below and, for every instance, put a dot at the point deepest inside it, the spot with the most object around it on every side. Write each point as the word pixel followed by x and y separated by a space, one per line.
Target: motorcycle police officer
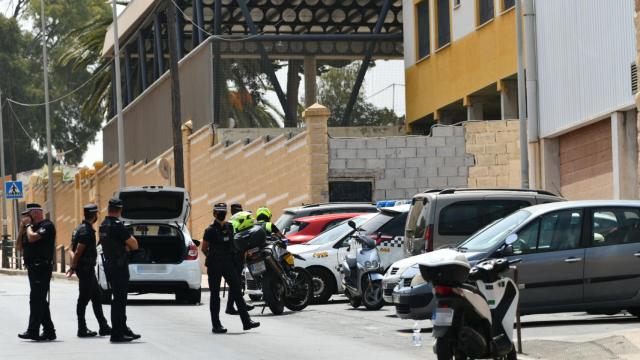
pixel 217 245
pixel 38 248
pixel 116 241
pixel 83 244
pixel 263 217
pixel 238 261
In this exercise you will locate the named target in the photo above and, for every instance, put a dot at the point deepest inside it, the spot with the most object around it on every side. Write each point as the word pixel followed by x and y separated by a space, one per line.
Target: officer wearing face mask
pixel 239 263
pixel 217 245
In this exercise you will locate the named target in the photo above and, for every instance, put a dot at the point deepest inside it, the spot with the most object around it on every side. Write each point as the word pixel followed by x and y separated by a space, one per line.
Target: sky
pixel 378 89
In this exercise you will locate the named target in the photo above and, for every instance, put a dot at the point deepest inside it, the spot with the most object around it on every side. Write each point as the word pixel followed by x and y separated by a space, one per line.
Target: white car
pixel 324 253
pixel 394 274
pixel 156 217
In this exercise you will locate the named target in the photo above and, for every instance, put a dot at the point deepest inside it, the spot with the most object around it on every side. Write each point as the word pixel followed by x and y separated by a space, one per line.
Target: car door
pixel 390 240
pixel 552 254
pixel 612 267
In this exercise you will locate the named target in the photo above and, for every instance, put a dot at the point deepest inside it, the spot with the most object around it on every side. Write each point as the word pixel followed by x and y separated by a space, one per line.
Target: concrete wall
pixel 401 166
pixel 495 146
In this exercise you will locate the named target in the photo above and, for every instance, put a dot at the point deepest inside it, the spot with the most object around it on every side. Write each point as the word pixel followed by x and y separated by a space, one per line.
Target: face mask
pixel 220 215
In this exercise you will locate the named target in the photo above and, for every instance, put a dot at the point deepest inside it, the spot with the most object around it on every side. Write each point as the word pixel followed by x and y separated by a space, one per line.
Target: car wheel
pixel 323 285
pixel 105 295
pixel 634 311
pixel 255 297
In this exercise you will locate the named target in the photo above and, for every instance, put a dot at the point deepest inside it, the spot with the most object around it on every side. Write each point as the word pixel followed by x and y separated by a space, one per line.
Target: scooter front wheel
pixel 372 297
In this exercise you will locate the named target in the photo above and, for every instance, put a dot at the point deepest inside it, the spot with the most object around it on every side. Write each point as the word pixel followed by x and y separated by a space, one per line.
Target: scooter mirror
pixel 352 224
pixel 511 239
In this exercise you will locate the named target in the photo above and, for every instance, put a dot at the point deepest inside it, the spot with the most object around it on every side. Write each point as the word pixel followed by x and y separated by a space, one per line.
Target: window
pixel 350 191
pixel 424 31
pixel 615 226
pixel 508 4
pixel 395 227
pixel 494 235
pixel 467 217
pixel 485 11
pixel 527 238
pixel 444 23
pixel 557 231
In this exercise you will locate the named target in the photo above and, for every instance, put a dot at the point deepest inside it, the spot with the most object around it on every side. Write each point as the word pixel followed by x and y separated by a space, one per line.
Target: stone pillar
pixel 508 99
pixel 624 154
pixel 475 108
pixel 187 130
pixel 316 117
pixel 310 85
pixel 550 170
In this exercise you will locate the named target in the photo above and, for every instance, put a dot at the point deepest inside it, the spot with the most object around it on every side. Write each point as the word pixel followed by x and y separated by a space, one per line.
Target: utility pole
pixel 522 102
pixel 5 235
pixel 47 114
pixel 116 56
pixel 176 113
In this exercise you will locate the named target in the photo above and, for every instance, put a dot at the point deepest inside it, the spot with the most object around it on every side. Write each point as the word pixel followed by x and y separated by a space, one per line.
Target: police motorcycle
pixel 362 271
pixel 269 262
pixel 475 307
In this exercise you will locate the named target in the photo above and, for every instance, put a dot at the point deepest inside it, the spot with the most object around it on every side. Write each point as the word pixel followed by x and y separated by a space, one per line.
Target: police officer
pixel 83 244
pixel 263 217
pixel 38 247
pixel 217 246
pixel 238 261
pixel 116 241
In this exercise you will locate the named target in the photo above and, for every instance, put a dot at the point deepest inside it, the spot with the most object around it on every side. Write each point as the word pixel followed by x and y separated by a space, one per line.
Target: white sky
pixel 384 74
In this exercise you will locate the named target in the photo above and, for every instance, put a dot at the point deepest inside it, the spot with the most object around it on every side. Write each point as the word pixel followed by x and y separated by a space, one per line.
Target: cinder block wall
pixel 495 146
pixel 401 166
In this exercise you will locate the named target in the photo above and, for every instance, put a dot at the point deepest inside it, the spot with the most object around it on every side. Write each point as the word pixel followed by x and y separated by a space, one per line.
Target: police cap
pixel 31 206
pixel 220 207
pixel 90 209
pixel 115 203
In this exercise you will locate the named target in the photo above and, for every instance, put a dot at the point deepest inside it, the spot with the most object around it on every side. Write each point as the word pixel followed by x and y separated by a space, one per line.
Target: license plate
pixel 151 269
pixel 257 268
pixel 443 317
pixel 289 259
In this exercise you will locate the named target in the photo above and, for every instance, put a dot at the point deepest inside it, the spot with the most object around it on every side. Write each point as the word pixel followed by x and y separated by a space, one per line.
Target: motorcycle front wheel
pixel 273 294
pixel 372 296
pixel 302 290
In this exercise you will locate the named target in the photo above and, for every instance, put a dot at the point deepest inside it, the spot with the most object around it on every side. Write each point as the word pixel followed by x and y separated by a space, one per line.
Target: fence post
pixel 316 117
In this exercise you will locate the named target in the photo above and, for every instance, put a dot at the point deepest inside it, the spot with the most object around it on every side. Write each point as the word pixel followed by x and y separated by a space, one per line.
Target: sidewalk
pixel 624 346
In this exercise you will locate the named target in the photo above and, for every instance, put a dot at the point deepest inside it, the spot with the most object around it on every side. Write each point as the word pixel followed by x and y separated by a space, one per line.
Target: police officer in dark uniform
pixel 83 244
pixel 116 240
pixel 217 246
pixel 238 261
pixel 38 258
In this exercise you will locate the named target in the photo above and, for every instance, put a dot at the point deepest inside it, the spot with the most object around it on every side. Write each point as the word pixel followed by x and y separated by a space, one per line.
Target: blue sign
pixel 13 189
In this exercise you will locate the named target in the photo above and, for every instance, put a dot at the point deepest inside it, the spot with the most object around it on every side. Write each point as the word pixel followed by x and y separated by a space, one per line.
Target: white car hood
pixel 403 265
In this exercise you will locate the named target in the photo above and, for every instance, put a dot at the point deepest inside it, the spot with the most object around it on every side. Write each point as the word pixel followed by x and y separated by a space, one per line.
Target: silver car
pixel 576 256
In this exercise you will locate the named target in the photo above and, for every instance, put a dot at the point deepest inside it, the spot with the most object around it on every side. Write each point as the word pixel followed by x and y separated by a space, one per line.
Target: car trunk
pixel 162 244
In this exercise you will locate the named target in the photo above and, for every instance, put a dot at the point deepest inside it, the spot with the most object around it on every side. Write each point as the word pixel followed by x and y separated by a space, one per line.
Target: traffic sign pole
pixel 5 235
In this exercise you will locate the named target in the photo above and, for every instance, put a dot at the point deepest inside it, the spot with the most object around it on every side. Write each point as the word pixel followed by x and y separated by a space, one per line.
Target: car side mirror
pixel 511 239
pixel 352 224
pixel 197 242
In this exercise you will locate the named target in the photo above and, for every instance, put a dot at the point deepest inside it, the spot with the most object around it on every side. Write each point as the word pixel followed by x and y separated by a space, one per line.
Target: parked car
pixel 287 218
pixel 576 256
pixel 156 216
pixel 442 218
pixel 306 228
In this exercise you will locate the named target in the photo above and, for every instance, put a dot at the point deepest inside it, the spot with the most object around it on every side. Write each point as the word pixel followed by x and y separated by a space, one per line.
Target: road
pixel 172 331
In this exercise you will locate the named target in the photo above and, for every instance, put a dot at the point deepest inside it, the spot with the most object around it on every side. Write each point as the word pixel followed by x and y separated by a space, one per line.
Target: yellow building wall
pixel 467 65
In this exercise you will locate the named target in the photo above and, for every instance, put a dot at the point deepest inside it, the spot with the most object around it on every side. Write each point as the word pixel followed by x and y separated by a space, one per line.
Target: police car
pixel 156 217
pixel 324 253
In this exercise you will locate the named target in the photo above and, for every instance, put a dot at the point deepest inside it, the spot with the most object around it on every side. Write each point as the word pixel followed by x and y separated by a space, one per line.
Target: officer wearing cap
pixel 83 244
pixel 238 261
pixel 38 247
pixel 217 246
pixel 116 240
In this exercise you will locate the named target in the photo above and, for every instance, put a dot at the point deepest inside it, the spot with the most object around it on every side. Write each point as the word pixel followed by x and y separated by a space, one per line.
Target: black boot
pixel 48 335
pixel 85 333
pixel 250 325
pixel 30 335
pixel 218 329
pixel 131 334
pixel 105 330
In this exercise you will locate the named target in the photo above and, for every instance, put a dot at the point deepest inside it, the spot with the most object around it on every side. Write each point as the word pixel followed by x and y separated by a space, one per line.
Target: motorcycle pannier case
pixel 254 237
pixel 446 267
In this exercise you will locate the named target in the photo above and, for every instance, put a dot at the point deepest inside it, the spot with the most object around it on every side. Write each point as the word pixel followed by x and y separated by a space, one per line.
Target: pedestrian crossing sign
pixel 13 189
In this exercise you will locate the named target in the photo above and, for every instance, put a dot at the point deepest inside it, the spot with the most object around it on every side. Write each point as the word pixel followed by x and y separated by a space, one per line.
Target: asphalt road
pixel 335 330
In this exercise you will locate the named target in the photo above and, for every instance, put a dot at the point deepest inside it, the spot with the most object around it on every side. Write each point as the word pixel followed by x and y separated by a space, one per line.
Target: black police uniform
pixel 38 258
pixel 113 236
pixel 220 263
pixel 238 261
pixel 87 282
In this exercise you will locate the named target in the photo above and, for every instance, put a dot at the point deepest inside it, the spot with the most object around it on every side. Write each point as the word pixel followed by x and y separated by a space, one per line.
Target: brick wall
pixel 401 166
pixel 495 147
pixel 586 167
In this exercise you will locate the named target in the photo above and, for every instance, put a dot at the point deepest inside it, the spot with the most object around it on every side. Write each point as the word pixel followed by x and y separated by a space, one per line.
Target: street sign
pixel 13 189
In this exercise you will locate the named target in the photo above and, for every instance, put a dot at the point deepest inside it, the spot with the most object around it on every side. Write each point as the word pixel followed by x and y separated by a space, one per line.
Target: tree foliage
pixel 334 91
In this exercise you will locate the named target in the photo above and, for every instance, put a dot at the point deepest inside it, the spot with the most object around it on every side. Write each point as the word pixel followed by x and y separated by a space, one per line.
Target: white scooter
pixel 476 308
pixel 362 272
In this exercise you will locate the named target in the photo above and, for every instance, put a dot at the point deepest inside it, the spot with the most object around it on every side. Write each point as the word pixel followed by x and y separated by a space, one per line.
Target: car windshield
pixel 284 221
pixel 489 237
pixel 338 232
